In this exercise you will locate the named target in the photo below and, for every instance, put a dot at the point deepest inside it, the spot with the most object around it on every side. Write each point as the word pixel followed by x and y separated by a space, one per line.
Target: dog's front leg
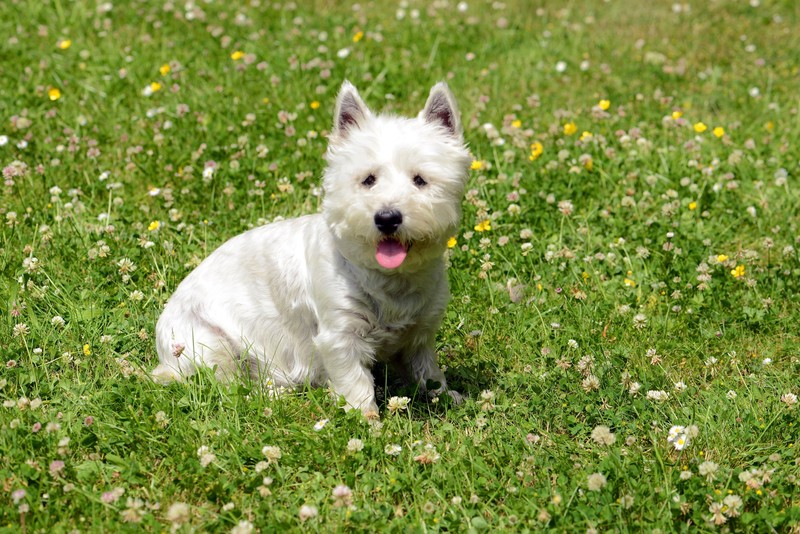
pixel 345 357
pixel 422 365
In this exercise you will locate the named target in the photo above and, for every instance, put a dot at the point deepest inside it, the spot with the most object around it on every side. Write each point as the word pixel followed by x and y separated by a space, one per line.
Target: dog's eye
pixel 369 181
pixel 419 181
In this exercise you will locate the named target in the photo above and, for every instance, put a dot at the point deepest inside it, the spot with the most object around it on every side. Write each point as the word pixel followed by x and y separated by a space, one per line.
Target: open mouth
pixel 391 253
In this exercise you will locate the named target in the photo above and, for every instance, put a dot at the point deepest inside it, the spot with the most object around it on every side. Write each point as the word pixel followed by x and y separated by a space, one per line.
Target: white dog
pixel 320 298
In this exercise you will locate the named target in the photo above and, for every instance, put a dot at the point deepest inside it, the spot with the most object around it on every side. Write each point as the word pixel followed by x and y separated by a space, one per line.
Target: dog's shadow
pixel 389 382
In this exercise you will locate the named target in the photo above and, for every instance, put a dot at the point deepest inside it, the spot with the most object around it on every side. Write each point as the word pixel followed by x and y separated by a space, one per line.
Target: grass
pixel 604 290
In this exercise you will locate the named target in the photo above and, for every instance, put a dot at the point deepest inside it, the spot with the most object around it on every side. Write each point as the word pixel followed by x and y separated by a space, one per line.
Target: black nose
pixel 388 221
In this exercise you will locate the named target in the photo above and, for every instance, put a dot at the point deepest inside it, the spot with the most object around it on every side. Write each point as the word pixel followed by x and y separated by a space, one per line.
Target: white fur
pixel 305 300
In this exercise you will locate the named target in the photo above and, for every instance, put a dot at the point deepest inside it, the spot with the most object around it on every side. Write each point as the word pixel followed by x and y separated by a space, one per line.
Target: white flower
pixel 730 395
pixel 342 495
pixel 3 140
pixel 789 399
pixel 398 404
pixel 355 445
pixel 271 453
pixel 243 527
pixel 319 425
pixel 596 481
pixel 657 395
pixel 734 504
pixel 707 469
pixel 602 435
pixel 561 66
pixel 206 456
pixel 679 437
pixel 306 512
pixel 392 449
pixel 178 513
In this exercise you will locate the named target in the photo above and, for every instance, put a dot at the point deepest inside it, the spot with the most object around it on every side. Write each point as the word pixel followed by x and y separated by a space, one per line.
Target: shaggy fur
pixel 318 299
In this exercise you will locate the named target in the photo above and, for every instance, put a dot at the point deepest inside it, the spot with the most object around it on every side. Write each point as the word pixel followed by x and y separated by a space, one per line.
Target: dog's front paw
pixel 371 415
pixel 455 396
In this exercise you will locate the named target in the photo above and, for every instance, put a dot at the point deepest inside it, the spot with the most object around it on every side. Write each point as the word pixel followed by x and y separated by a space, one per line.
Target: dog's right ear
pixel 350 111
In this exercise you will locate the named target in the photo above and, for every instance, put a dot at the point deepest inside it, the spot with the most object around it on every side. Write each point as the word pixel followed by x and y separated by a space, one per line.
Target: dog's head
pixel 394 185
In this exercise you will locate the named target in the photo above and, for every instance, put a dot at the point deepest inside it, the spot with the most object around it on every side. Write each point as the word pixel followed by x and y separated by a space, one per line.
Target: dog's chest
pixel 396 324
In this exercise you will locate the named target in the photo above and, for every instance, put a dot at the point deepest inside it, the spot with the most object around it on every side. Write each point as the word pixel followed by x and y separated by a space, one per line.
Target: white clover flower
pixel 307 512
pixel 271 453
pixel 602 435
pixel 392 449
pixel 657 395
pixel 596 481
pixel 398 404
pixel 355 445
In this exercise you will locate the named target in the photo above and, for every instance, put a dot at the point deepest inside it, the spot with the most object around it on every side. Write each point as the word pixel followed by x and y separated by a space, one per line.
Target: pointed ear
pixel 442 109
pixel 350 111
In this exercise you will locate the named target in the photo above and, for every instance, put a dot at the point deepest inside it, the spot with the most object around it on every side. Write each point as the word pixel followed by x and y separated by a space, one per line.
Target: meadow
pixel 625 284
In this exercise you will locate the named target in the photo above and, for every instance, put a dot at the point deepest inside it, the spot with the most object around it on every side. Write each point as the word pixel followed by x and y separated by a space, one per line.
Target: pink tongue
pixel 390 253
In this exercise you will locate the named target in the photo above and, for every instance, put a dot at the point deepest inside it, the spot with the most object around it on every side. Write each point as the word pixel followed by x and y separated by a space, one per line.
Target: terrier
pixel 319 299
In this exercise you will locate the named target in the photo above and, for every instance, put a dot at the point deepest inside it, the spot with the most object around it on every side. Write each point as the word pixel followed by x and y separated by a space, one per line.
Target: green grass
pixel 555 318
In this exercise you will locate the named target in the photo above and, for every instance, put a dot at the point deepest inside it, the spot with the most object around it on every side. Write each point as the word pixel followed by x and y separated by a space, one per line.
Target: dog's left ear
pixel 442 109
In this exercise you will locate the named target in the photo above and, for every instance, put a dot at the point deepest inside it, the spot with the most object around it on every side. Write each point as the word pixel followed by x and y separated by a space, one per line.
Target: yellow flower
pixel 700 127
pixel 570 128
pixel 155 86
pixel 358 36
pixel 476 165
pixel 483 226
pixel 604 104
pixel 719 131
pixel 54 93
pixel 164 69
pixel 516 124
pixel 588 163
pixel 314 105
pixel 452 242
pixel 769 126
pixel 677 115
pixel 628 282
pixel 236 56
pixel 585 135
pixel 87 350
pixel 722 258
pixel 63 44
pixel 153 226
pixel 692 205
pixel 536 150
pixel 738 271
pixel 265 100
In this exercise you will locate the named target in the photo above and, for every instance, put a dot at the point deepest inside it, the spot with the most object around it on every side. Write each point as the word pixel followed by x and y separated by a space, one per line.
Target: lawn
pixel 625 283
